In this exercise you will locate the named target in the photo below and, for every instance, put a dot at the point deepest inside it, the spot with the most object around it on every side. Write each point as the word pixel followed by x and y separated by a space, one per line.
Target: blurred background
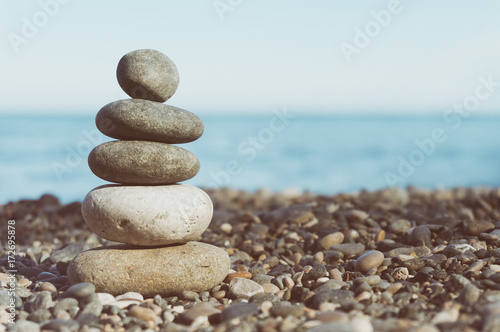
pixel 326 96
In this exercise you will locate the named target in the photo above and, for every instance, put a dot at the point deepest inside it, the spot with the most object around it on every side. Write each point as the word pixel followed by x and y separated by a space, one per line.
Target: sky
pixel 249 56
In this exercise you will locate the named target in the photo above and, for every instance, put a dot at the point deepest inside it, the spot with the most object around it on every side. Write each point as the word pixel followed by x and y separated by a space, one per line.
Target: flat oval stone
pixel 139 119
pixel 141 162
pixel 148 215
pixel 166 271
pixel 368 260
pixel 147 74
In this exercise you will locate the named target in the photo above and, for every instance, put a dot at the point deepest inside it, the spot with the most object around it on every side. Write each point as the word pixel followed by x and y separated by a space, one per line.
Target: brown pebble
pixel 474 228
pixel 270 288
pixel 219 294
pixel 336 274
pixel 47 286
pixel 243 274
pixel 296 258
pixel 143 313
pixel 24 282
pixel 380 236
pixel 331 240
pixel 241 268
pixel 332 316
pixel 394 288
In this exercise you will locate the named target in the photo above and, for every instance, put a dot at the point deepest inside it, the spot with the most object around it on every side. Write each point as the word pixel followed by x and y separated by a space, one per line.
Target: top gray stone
pixel 147 74
pixel 138 119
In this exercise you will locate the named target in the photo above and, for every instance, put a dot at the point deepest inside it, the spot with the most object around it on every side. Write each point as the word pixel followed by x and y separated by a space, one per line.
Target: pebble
pixel 336 326
pixel 287 309
pixel 349 249
pixel 331 240
pixel 144 120
pixel 421 235
pixel 457 249
pixel 148 215
pixel 27 326
pixel 474 228
pixel 270 288
pixel 142 162
pixel 332 316
pixel 239 310
pixel 399 226
pixel 368 260
pixel 338 296
pixel 370 280
pixel 196 311
pixel 244 288
pixel 80 290
pixel 231 276
pixel 143 313
pixel 138 269
pixel 147 74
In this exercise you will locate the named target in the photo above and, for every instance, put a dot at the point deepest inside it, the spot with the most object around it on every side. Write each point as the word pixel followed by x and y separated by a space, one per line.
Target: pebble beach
pixel 390 260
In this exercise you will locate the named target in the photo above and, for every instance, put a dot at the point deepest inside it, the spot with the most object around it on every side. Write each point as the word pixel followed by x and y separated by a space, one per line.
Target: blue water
pixel 323 154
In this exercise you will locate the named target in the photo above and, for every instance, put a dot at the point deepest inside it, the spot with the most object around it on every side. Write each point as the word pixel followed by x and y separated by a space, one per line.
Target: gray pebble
pixel 338 296
pixel 283 310
pixel 399 226
pixel 65 304
pixel 239 310
pixel 470 294
pixel 421 235
pixel 336 326
pixel 80 290
pixel 61 325
pixel 39 315
pixel 349 249
pixel 142 162
pixel 262 278
pixel 26 326
pixel 144 120
pixel 42 301
pixel 147 74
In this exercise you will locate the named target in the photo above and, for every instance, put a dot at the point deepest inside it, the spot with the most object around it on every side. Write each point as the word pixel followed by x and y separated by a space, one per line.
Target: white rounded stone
pixel 148 215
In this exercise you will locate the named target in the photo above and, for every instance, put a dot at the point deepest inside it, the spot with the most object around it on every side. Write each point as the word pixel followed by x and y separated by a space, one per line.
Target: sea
pixel 279 151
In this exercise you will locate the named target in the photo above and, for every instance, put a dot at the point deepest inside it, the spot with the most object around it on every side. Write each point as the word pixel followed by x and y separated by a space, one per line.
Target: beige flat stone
pixel 166 271
pixel 148 215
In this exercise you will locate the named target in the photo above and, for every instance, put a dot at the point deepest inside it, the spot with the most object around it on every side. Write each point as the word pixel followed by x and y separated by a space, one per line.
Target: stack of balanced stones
pixel 156 219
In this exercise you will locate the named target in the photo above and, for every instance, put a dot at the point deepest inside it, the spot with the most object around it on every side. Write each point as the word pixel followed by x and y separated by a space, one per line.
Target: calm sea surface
pixel 326 154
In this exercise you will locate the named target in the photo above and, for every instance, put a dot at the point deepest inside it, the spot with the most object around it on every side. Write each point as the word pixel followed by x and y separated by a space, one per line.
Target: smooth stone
pixel 148 215
pixel 142 162
pixel 421 235
pixel 147 74
pixel 26 326
pixel 239 310
pixel 399 226
pixel 80 290
pixel 244 288
pixel 339 296
pixel 198 310
pixel 336 326
pixel 475 228
pixel 331 240
pixel 349 249
pixel 144 120
pixel 368 260
pixel 166 271
pixel 285 310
